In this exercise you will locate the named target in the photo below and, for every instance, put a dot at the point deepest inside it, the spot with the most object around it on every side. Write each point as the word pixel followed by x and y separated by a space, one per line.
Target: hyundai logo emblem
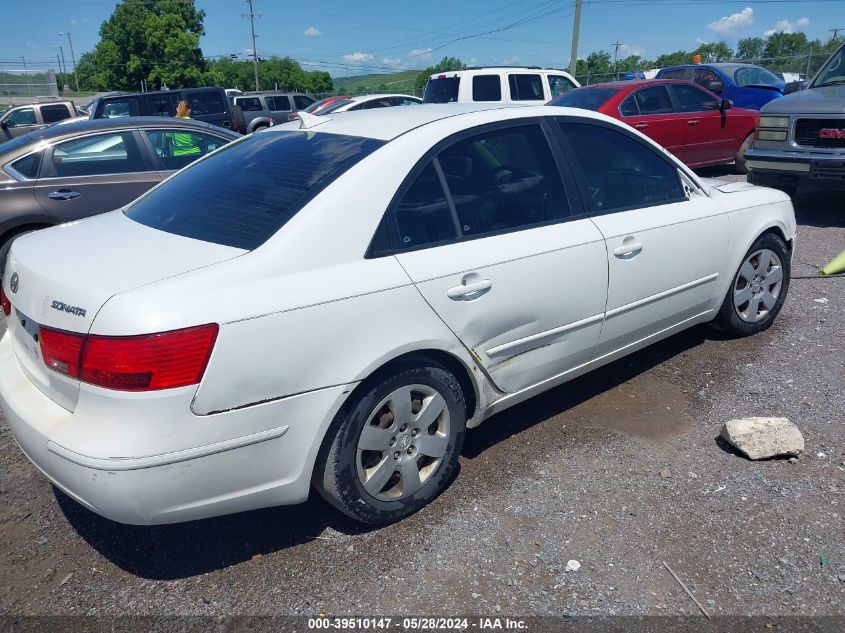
pixel 13 283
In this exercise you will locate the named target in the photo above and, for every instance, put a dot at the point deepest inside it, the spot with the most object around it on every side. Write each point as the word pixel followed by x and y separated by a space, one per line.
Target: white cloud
pixel 631 49
pixel 511 61
pixel 73 22
pixel 420 54
pixel 391 61
pixel 356 57
pixel 312 32
pixel 785 26
pixel 734 22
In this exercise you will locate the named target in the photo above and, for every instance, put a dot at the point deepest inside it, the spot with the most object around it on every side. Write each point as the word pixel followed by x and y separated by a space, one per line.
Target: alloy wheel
pixel 758 285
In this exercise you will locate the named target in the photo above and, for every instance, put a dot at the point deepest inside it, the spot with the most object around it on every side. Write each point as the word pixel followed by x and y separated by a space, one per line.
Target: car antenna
pixel 307 120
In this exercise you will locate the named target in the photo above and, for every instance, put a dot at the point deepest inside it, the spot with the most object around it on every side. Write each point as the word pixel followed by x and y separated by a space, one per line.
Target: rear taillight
pixel 7 305
pixel 61 350
pixel 272 122
pixel 131 363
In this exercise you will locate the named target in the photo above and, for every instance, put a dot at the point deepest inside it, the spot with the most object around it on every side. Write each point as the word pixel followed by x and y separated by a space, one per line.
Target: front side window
pixel 383 102
pixel 526 87
pixel 694 99
pixel 25 116
pixel 442 90
pixel 621 172
pixel 708 79
pixel 302 101
pixel 179 148
pixel 500 180
pixel 206 103
pixel 99 155
pixel 404 101
pixel 833 71
pixel 486 88
pixel 118 109
pixel 654 100
pixel 205 202
pixel 558 84
pixel 53 113
pixel 584 98
pixel 249 104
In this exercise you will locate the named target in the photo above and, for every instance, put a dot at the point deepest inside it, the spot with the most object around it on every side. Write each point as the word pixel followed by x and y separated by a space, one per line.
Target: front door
pixel 706 136
pixel 664 245
pixel 93 174
pixel 501 253
pixel 17 123
pixel 651 111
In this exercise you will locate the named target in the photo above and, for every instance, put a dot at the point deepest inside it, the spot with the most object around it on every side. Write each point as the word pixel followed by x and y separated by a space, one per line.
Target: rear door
pixel 210 106
pixel 279 107
pixel 665 245
pixel 499 249
pixel 93 174
pixel 707 138
pixel 651 111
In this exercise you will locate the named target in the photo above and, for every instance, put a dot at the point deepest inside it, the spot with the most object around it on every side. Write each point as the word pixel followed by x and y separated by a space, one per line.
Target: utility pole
pixel 576 31
pixel 26 75
pixel 835 32
pixel 616 44
pixel 73 60
pixel 252 15
pixel 63 67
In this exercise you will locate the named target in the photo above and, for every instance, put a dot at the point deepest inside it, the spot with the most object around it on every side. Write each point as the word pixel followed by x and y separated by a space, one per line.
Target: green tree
pixel 276 72
pixel 444 65
pixel 677 58
pixel 750 48
pixel 785 45
pixel 152 40
pixel 714 52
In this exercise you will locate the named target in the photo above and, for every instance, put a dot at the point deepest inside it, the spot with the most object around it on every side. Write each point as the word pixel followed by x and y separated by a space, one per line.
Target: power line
pixel 835 31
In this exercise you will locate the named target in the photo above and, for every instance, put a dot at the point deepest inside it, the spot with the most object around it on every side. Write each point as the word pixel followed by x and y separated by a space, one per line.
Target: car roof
pixel 635 83
pixel 53 132
pixel 359 98
pixel 486 70
pixel 388 123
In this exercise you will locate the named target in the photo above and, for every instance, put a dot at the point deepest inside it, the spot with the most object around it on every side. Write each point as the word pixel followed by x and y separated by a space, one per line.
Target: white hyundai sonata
pixel 333 305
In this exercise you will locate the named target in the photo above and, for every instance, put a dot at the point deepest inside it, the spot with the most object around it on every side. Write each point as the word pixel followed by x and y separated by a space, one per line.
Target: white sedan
pixel 333 305
pixel 370 102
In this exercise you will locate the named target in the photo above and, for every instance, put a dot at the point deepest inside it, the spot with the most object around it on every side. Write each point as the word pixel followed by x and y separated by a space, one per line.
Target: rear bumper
pixel 244 472
pixel 772 168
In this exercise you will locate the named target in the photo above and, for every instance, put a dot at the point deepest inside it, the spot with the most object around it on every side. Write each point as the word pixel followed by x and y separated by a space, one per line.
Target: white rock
pixel 759 438
pixel 573 565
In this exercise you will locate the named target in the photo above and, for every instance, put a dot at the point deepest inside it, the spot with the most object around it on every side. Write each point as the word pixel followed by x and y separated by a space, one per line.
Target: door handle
pixel 628 249
pixel 693 121
pixel 63 194
pixel 640 126
pixel 465 290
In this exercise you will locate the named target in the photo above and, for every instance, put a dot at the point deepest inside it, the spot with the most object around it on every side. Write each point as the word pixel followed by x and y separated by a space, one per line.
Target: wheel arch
pixel 13 231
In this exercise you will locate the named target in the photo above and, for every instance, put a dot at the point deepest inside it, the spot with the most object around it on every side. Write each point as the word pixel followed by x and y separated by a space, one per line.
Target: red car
pixel 691 122
pixel 315 107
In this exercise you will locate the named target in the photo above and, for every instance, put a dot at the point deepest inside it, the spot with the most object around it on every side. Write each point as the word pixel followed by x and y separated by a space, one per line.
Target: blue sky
pixel 356 36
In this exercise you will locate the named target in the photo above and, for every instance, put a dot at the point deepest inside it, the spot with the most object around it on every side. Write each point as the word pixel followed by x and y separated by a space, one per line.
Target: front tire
pixel 759 288
pixel 739 161
pixel 396 447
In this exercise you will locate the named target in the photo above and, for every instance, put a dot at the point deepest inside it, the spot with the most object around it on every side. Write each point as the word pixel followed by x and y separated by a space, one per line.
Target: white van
pixel 527 85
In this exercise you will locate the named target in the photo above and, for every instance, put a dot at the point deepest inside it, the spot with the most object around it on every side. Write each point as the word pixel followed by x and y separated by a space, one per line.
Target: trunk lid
pixel 726 186
pixel 63 275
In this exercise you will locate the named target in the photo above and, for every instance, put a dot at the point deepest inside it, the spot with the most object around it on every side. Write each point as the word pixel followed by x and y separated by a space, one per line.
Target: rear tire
pixel 740 157
pixel 758 289
pixel 395 447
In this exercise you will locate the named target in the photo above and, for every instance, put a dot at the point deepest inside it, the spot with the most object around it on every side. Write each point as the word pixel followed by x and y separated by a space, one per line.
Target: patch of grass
pixel 394 82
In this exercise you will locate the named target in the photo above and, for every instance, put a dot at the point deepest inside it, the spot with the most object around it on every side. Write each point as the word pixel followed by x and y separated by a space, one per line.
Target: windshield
pixel 241 195
pixel 442 90
pixel 751 75
pixel 585 98
pixel 833 71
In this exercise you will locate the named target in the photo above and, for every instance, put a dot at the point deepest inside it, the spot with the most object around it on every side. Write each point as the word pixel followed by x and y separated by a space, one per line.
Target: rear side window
pixel 249 104
pixel 423 215
pixel 674 74
pixel 178 148
pixel 162 105
pixel 28 165
pixel 205 202
pixel 53 113
pixel 302 101
pixel 279 103
pixel 707 78
pixel 526 87
pixel 442 90
pixel 98 155
pixel 629 107
pixel 654 100
pixel 692 99
pixel 206 103
pixel 119 108
pixel 486 88
pixel 621 172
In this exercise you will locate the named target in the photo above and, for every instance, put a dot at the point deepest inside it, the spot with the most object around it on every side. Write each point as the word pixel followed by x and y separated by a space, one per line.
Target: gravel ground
pixel 572 474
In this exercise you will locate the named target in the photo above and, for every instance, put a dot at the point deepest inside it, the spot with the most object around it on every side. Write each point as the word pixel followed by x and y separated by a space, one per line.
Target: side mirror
pixel 726 104
pixel 715 86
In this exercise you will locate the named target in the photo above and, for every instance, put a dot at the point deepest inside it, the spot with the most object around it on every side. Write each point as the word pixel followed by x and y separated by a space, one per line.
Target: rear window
pixel 442 90
pixel 526 87
pixel 585 98
pixel 53 113
pixel 248 190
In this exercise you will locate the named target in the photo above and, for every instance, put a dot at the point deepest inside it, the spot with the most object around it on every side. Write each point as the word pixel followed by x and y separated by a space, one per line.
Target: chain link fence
pixel 19 84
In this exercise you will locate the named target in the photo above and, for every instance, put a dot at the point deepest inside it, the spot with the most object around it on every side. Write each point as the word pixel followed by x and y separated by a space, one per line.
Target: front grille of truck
pixel 807 132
